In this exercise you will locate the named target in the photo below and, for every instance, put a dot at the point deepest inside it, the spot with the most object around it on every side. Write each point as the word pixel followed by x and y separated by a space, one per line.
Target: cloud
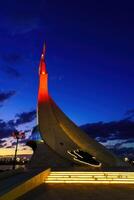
pixel 2 141
pixel 130 114
pixel 25 117
pixel 6 128
pixel 9 64
pixel 12 58
pixel 22 17
pixel 6 95
pixel 117 136
pixel 22 118
pixel 123 129
pixel 8 147
pixel 125 151
pixel 12 72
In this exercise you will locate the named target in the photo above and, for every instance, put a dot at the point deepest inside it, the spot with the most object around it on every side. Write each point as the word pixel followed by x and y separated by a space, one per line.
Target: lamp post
pixel 17 135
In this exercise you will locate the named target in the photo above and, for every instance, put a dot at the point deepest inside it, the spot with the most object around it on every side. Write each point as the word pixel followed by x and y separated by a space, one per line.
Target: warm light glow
pixel 96 182
pixel 87 163
pixel 92 172
pixel 76 155
pixel 71 154
pixel 10 151
pixel 75 151
pixel 91 177
pixel 43 88
pixel 126 159
pixel 43 80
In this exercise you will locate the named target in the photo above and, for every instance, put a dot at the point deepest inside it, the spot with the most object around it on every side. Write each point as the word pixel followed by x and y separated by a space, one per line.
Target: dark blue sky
pixel 90 48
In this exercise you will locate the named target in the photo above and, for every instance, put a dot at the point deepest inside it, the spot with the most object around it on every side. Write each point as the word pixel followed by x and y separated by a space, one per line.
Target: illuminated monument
pixel 63 154
pixel 65 144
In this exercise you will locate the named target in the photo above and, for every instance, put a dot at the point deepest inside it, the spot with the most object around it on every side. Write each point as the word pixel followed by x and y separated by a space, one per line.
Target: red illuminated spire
pixel 43 79
pixel 42 66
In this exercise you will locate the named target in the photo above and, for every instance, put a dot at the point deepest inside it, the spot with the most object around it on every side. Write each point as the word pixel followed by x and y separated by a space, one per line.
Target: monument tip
pixel 42 67
pixel 44 49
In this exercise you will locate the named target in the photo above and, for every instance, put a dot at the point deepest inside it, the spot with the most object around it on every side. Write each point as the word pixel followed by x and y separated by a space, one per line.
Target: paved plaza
pixel 80 192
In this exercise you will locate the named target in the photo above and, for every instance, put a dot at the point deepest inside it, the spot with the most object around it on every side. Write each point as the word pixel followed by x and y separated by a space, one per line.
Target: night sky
pixel 90 61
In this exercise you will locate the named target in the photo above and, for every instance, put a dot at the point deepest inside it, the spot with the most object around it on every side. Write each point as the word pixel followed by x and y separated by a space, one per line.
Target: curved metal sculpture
pixel 61 134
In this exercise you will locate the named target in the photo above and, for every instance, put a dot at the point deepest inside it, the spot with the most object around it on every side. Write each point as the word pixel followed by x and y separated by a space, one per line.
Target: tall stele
pixel 64 137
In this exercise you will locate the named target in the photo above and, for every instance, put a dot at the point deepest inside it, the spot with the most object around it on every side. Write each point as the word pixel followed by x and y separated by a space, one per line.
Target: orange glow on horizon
pixel 10 151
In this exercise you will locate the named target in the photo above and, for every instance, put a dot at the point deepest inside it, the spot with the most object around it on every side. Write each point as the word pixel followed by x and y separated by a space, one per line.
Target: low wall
pixel 26 186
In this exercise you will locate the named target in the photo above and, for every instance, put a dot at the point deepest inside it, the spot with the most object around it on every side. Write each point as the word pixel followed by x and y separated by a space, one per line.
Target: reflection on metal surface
pixel 84 158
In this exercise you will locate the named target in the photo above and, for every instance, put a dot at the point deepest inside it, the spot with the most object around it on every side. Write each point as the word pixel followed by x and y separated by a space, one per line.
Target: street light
pixel 17 135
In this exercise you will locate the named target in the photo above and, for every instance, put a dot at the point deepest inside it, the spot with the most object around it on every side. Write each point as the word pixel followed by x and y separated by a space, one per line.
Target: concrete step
pixel 90 177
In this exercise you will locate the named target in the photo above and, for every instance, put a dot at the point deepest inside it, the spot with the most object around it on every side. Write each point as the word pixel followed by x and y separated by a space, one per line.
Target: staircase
pixel 90 177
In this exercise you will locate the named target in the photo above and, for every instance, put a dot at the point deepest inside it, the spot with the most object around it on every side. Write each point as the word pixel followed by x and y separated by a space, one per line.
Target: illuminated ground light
pixel 84 158
pixel 91 177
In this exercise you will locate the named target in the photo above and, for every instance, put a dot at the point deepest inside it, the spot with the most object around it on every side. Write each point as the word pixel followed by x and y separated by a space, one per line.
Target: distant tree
pixel 17 135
